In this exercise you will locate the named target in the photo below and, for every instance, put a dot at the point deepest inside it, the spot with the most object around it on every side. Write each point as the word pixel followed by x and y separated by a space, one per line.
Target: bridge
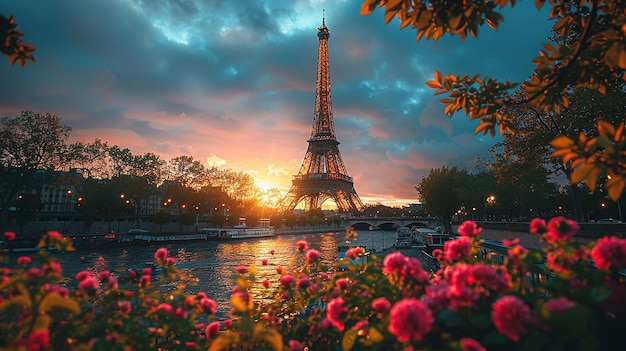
pixel 392 223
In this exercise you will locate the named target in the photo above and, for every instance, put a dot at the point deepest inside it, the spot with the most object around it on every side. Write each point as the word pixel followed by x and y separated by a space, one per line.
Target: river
pixel 212 264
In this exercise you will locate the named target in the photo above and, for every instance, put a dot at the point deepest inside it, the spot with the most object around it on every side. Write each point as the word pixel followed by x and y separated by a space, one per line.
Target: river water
pixel 212 264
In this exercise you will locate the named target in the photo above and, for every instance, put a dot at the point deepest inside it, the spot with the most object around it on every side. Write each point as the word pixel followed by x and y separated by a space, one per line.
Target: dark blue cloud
pixel 235 81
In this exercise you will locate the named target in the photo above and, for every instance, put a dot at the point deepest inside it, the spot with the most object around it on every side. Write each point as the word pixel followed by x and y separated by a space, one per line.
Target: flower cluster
pixel 566 295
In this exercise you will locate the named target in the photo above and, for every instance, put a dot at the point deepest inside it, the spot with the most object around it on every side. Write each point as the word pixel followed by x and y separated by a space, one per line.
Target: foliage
pixel 29 143
pixel 569 295
pixel 11 43
pixel 588 52
pixel 443 191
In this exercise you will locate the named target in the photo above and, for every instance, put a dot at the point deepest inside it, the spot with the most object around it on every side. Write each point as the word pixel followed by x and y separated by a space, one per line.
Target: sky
pixel 232 83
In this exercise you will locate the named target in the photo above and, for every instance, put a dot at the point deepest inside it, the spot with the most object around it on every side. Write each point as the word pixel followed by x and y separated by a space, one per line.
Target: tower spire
pixel 322 174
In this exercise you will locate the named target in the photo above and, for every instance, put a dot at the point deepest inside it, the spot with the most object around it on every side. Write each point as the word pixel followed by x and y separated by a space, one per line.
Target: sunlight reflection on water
pixel 213 264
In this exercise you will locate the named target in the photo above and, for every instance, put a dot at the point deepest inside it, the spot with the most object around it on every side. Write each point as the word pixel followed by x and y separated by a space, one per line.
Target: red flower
pixel 303 283
pixel 381 304
pixel 286 279
pixel 89 283
pixel 334 312
pixel 610 252
pixel 23 260
pixel 538 226
pixel 410 320
pixel 454 250
pixel 241 269
pixel 54 235
pixel 302 245
pixel 266 283
pixel 295 345
pixel 272 252
pixel 9 235
pixel 469 228
pixel 212 329
pixel 558 305
pixel 355 252
pixel 560 229
pixel 509 315
pixel 312 255
pixel 208 305
pixel 469 344
pixel 160 254
pixel 264 261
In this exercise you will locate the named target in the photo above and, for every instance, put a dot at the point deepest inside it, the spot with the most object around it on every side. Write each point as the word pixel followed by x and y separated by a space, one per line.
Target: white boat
pixel 264 229
pixel 143 237
pixel 218 233
pixel 404 238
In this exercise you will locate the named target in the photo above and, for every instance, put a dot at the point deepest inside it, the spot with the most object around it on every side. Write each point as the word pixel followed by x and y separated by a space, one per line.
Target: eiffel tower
pixel 322 175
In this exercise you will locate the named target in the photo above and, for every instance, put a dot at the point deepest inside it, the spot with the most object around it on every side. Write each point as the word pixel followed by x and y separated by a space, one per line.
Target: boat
pixel 218 233
pixel 404 238
pixel 264 229
pixel 434 241
pixel 419 233
pixel 144 237
pixel 99 240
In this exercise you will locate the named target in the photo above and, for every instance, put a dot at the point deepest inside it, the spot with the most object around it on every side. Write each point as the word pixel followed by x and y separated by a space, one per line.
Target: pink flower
pixel 124 306
pixel 208 305
pixel 228 323
pixel 303 283
pixel 89 283
pixel 241 269
pixel 302 245
pixel 54 235
pixel 538 226
pixel 167 308
pixel 9 235
pixel 23 260
pixel 312 255
pixel 212 329
pixel 355 252
pixel 160 254
pixel 454 250
pixel 342 283
pixel 560 229
pixel 295 345
pixel 381 304
pixel 469 228
pixel 394 262
pixel 509 314
pixel 334 312
pixel 169 261
pixel 610 252
pixel 558 305
pixel 82 275
pixel 286 279
pixel 38 340
pixel 410 320
pixel 469 344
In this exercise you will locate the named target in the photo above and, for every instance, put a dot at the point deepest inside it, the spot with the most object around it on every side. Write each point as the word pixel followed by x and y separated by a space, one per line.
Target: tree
pixel 28 143
pixel 526 156
pixel 588 51
pixel 11 43
pixel 443 192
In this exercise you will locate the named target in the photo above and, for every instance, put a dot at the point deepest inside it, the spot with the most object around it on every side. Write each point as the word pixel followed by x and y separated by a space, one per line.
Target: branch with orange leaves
pixel 589 158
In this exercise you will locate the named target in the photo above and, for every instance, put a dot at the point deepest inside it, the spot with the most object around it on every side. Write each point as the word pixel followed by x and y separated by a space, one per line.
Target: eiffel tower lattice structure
pixel 322 175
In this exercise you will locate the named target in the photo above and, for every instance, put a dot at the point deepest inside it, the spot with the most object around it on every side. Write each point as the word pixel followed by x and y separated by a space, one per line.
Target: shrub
pixel 388 303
